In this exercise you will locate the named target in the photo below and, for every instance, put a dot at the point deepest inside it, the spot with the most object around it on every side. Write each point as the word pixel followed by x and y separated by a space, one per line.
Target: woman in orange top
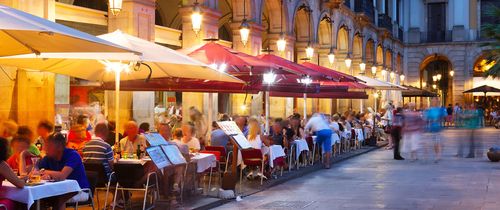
pixel 78 135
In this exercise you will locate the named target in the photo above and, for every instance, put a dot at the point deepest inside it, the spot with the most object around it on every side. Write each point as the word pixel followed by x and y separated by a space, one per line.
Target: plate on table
pixel 31 184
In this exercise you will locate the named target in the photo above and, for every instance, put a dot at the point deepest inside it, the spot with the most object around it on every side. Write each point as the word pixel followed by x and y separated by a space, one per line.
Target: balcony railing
pixel 366 7
pixel 384 21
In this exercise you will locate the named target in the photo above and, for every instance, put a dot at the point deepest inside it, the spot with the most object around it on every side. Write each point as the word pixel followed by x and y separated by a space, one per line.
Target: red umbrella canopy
pixel 334 74
pixel 342 95
pixel 238 63
pixel 350 85
pixel 299 69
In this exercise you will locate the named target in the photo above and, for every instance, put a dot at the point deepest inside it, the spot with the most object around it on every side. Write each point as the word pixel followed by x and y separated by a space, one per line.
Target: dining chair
pixel 252 158
pixel 103 181
pixel 215 169
pixel 92 179
pixel 127 176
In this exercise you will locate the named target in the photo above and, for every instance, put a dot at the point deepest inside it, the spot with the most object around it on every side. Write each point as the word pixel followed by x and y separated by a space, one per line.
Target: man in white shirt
pixel 188 139
pixel 133 140
pixel 318 124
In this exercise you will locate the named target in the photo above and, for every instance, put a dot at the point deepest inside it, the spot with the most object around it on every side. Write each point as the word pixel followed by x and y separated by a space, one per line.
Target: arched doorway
pixel 435 75
pixel 492 100
pixel 342 48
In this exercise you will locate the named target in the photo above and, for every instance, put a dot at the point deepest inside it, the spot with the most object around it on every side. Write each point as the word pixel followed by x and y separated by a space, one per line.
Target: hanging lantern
pixel 196 18
pixel 434 86
pixel 392 75
pixel 309 51
pixel 402 78
pixel 434 78
pixel 115 6
pixel 424 84
pixel 375 95
pixel 384 72
pixel 452 73
pixel 281 43
pixel 362 67
pixel 331 57
pixel 348 62
pixel 374 70
pixel 438 77
pixel 244 32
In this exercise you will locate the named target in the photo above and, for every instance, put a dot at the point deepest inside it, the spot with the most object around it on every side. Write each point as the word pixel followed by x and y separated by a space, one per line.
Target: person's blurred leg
pixel 471 144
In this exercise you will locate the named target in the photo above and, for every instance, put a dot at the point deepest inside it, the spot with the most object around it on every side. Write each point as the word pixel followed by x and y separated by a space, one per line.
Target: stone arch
pixel 343 39
pixel 325 31
pixel 357 46
pixel 370 51
pixel 388 58
pixel 244 8
pixel 433 65
pixel 379 55
pixel 271 14
pixel 302 24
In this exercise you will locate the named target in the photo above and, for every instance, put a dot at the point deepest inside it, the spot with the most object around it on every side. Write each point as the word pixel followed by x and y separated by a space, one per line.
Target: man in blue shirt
pixel 62 163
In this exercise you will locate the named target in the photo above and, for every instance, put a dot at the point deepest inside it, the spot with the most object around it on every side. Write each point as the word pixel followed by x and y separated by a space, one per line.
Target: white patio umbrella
pixel 155 61
pixel 24 34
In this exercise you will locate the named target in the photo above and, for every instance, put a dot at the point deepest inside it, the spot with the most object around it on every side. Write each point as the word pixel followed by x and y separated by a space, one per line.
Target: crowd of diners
pixel 63 154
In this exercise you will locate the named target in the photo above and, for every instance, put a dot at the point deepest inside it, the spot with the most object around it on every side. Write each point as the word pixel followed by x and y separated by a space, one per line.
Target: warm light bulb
pixel 243 107
pixel 115 6
pixel 424 84
pixel 384 72
pixel 244 31
pixel 309 51
pixel 434 78
pixel 281 44
pixel 434 86
pixel 392 75
pixel 269 78
pixel 438 77
pixel 331 58
pixel 348 62
pixel 452 73
pixel 306 80
pixel 196 18
pixel 402 77
pixel 374 70
pixel 375 95
pixel 362 67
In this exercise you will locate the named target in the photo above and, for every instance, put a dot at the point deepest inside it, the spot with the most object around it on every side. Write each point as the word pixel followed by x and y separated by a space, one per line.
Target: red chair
pixel 252 158
pixel 223 155
pixel 215 169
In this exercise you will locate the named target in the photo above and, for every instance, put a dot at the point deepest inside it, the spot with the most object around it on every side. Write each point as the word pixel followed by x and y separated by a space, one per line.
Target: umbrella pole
pixel 117 106
pixel 266 95
pixel 305 107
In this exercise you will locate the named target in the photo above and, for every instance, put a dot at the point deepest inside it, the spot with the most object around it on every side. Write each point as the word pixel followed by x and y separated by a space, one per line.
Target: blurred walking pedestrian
pixel 412 130
pixel 397 125
pixel 317 123
pixel 472 121
pixel 434 117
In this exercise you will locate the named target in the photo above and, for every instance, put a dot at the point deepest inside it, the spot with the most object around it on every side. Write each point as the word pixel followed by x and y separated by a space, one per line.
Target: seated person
pixel 6 173
pixel 21 157
pixel 43 130
pixel 98 151
pixel 165 131
pixel 177 140
pixel 133 140
pixel 62 163
pixel 78 135
pixel 218 137
pixel 189 139
pixel 8 129
pixel 28 133
pixel 278 136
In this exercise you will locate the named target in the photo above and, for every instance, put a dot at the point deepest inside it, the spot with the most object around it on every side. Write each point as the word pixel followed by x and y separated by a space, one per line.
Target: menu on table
pixel 173 154
pixel 231 129
pixel 158 157
pixel 155 139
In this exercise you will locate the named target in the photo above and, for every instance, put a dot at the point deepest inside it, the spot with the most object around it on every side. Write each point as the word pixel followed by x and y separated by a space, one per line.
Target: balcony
pixel 365 7
pixel 384 21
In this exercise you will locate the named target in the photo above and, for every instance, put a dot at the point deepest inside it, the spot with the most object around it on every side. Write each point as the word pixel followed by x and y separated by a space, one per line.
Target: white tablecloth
pixel 275 151
pixel 204 161
pixel 300 145
pixel 134 161
pixel 29 194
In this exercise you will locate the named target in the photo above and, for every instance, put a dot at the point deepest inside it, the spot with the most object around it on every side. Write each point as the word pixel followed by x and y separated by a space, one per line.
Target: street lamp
pixel 269 78
pixel 362 67
pixel 452 73
pixel 115 6
pixel 438 77
pixel 196 18
pixel 244 27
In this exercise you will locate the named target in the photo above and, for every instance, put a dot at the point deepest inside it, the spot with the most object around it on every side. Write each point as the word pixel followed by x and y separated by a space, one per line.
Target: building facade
pixel 415 38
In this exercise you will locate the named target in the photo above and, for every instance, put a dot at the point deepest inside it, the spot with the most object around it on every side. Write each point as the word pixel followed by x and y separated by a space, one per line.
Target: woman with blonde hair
pixel 254 133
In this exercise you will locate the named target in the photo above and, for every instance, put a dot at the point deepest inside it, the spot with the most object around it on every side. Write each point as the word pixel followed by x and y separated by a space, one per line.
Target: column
pixel 137 18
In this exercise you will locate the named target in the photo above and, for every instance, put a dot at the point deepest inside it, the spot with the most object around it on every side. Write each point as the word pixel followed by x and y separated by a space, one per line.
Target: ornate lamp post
pixel 244 27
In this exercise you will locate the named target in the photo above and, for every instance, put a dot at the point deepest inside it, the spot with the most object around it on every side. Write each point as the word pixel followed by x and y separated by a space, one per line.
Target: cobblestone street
pixel 376 181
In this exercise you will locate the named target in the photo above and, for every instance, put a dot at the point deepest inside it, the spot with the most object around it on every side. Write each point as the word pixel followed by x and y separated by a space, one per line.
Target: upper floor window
pixel 436 22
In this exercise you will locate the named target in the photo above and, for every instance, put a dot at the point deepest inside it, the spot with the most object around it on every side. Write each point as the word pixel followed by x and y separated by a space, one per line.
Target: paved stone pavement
pixel 375 181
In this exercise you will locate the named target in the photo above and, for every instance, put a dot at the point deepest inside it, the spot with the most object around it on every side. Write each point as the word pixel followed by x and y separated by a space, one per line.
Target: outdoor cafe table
pixel 32 194
pixel 203 161
pixel 300 146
